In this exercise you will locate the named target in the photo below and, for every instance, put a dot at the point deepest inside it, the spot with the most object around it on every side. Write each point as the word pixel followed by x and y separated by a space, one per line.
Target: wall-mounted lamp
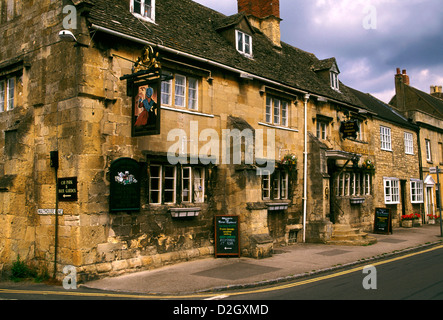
pixel 68 36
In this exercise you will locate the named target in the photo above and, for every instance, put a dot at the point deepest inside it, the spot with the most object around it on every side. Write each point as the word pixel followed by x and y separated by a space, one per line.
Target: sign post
pixel 439 200
pixel 227 241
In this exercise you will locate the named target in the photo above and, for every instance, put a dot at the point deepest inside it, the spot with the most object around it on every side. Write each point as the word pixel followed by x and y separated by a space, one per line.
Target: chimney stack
pixel 260 8
pixel 436 91
pixel 265 16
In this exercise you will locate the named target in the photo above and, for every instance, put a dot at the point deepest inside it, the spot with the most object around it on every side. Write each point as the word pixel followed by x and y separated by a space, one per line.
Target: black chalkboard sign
pixel 227 242
pixel 382 221
pixel 125 185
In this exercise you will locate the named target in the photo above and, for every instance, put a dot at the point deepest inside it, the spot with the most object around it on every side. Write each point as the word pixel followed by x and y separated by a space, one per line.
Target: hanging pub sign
pixel 144 86
pixel 146 108
pixel 349 129
pixel 125 185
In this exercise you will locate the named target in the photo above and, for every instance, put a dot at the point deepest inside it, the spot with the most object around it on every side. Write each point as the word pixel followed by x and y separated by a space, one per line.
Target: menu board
pixel 227 241
pixel 382 221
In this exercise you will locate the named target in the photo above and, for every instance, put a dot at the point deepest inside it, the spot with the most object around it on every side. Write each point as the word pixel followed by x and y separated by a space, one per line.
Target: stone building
pixel 426 111
pixel 160 115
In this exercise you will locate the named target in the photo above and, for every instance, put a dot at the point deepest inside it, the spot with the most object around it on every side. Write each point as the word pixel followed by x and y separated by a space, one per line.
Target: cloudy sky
pixel 369 38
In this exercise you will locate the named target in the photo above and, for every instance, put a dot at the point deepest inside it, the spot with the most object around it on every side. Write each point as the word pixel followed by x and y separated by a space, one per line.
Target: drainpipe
pixel 305 166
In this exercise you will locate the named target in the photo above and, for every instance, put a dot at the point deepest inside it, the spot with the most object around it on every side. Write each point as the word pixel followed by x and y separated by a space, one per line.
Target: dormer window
pixel 144 9
pixel 334 81
pixel 244 43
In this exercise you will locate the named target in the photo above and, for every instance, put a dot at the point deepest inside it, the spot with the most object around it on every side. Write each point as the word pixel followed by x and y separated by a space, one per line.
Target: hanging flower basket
pixel 289 162
pixel 368 166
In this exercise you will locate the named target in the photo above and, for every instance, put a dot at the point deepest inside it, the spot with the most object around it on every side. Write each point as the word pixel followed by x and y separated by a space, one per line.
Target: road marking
pixel 211 295
pixel 220 297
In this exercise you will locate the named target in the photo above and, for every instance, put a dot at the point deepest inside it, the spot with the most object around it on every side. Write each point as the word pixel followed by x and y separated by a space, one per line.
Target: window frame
pixel 417 191
pixel 7 94
pixel 335 84
pixel 409 143
pixel 172 96
pixel 386 138
pixel 322 130
pixel 428 150
pixel 393 185
pixel 243 42
pixel 151 18
pixel 282 116
pixel 275 186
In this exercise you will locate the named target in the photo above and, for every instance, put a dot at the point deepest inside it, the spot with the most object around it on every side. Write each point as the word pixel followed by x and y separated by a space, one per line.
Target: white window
pixel 366 184
pixel 155 184
pixel 162 184
pixel 334 81
pixel 353 184
pixel 144 9
pixel 322 130
pixel 166 95
pixel 279 187
pixel 192 93
pixel 7 90
pixel 244 43
pixel 385 138
pixel 199 184
pixel 409 143
pixel 266 185
pixel 186 184
pixel 428 150
pixel 392 190
pixel 169 177
pixel 416 191
pixel 277 111
pixel 193 184
pixel 182 90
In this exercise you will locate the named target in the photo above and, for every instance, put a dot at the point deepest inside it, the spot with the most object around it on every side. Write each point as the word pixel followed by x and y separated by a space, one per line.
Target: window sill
pixel 196 113
pixel 277 127
pixel 274 206
pixel 185 212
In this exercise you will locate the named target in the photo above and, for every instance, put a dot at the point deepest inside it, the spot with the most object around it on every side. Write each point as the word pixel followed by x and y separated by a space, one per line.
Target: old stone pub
pixel 88 111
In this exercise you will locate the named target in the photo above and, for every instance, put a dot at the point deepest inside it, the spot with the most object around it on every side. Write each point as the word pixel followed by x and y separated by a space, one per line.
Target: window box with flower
pixel 410 220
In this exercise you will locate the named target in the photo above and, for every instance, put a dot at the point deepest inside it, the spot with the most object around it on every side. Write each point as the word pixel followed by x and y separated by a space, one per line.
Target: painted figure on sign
pixel 149 106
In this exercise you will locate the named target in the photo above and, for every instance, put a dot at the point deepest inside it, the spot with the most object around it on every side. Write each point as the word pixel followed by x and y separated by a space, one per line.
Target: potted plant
pixel 407 220
pixel 417 220
pixel 432 218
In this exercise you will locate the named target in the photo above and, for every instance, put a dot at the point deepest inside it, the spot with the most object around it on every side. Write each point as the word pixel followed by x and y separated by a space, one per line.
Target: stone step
pixel 343 234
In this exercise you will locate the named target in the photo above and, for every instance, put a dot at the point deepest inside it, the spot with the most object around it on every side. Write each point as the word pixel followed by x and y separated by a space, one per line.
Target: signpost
pixel 67 189
pixel 435 170
pixel 227 242
pixel 382 221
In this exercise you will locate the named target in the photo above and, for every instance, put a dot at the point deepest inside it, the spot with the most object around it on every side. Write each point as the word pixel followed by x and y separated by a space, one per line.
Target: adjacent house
pixel 426 111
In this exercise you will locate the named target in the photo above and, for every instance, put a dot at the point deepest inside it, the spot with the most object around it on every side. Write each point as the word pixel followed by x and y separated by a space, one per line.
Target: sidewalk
pixel 287 263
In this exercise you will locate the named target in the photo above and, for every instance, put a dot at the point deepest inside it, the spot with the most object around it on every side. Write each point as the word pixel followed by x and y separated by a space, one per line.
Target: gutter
pixel 305 166
pixel 191 56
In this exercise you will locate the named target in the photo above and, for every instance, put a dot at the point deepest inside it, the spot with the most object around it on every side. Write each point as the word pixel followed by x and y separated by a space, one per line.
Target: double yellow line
pixel 208 295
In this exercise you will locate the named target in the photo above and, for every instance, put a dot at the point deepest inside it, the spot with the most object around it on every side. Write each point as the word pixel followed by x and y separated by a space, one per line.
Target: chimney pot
pixel 398 71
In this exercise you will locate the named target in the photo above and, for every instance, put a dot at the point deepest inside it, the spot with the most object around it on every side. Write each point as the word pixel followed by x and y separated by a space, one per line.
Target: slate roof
pixel 189 27
pixel 382 110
